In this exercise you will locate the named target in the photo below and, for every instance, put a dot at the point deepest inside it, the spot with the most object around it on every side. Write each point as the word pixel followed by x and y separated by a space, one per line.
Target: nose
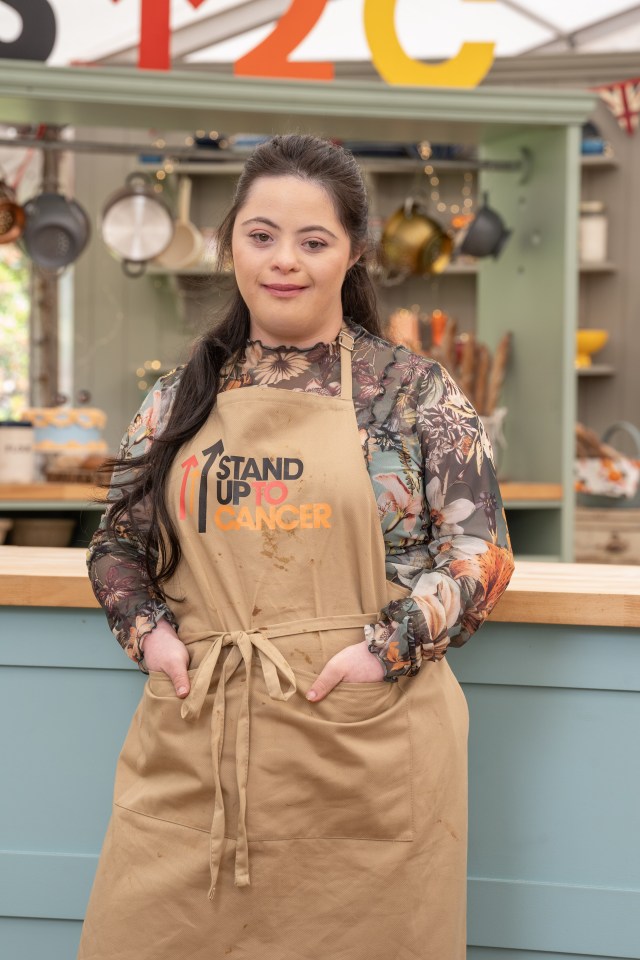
pixel 284 257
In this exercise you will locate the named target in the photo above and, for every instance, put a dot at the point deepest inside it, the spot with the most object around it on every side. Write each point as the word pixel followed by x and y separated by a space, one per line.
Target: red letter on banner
pixel 155 33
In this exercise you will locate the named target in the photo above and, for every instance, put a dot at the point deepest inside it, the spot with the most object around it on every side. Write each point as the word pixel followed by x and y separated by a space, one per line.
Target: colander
pixel 56 231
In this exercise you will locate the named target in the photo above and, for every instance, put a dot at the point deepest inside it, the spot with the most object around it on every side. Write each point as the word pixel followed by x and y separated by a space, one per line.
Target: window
pixel 14 331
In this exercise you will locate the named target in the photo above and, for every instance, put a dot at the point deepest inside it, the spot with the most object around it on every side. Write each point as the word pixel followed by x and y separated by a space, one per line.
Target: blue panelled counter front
pixel 553 687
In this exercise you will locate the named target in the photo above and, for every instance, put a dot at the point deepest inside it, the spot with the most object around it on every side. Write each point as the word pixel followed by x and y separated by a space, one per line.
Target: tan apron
pixel 248 822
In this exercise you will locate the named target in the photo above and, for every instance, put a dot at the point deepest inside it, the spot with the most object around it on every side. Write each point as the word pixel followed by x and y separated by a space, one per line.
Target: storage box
pixel 42 532
pixel 5 526
pixel 607 536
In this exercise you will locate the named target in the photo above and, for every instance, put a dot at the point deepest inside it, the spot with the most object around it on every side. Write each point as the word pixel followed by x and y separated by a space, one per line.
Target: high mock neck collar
pixel 317 349
pixel 320 347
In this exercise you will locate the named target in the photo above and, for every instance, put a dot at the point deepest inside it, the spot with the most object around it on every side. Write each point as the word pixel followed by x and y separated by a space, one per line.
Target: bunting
pixel 623 100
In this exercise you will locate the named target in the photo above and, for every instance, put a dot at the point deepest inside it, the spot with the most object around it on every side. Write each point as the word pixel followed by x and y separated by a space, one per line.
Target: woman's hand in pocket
pixel 164 652
pixel 354 664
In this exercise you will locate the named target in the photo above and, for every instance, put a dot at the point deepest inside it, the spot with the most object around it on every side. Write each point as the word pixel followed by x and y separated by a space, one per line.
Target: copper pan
pixel 414 242
pixel 12 216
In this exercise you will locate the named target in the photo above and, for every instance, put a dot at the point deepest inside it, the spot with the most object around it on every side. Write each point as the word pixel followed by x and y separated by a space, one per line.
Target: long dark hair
pixel 309 158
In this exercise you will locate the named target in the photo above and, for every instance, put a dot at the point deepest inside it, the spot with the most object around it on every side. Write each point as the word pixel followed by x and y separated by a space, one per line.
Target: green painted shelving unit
pixel 531 289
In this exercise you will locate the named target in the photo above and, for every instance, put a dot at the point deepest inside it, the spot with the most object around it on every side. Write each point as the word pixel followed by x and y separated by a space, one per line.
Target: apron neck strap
pixel 346 341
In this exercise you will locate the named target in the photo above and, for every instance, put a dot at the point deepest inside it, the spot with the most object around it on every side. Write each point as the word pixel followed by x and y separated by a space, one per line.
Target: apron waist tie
pixel 273 665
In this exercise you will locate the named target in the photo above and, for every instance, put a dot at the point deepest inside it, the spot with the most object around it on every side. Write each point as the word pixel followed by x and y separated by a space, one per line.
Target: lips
pixel 283 291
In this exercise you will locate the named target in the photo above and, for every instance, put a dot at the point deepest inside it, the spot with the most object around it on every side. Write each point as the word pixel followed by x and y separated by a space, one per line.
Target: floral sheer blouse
pixel 431 468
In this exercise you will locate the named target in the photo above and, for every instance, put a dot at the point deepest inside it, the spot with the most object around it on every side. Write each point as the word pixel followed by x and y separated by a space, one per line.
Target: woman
pixel 305 518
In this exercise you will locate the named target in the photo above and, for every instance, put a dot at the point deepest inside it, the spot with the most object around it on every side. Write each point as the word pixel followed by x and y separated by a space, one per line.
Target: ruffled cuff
pixel 130 633
pixel 401 641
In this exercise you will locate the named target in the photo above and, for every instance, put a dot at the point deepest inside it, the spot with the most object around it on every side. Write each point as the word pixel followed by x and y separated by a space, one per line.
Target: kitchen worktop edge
pixel 539 592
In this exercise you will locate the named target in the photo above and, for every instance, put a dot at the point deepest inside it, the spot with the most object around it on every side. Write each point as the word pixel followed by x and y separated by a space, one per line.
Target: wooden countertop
pixel 586 594
pixel 564 593
pixel 44 577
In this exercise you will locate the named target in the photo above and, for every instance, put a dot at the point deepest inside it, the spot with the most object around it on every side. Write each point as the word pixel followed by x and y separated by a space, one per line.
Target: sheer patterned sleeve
pixel 116 562
pixel 465 563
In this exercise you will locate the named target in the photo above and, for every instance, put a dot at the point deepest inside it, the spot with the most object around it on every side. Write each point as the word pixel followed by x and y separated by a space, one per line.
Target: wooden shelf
pixel 605 267
pixel 58 494
pixel 197 168
pixel 597 160
pixel 533 505
pixel 521 494
pixel 228 166
pixel 454 269
pixel 596 370
pixel 196 271
pixel 233 167
pixel 470 269
pixel 49 493
pixel 409 164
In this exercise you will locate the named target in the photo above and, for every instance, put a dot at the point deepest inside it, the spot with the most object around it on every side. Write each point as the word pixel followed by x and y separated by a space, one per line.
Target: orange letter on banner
pixel 269 58
pixel 467 69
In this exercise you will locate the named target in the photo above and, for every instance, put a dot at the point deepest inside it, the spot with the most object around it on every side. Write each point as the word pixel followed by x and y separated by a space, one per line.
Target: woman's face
pixel 290 255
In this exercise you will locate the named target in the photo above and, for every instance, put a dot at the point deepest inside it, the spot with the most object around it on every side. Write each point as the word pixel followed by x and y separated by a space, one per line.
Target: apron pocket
pixel 337 769
pixel 165 766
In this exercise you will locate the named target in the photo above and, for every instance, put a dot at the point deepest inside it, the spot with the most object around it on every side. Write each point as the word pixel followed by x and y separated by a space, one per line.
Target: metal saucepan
pixel 187 244
pixel 12 216
pixel 56 230
pixel 413 242
pixel 136 224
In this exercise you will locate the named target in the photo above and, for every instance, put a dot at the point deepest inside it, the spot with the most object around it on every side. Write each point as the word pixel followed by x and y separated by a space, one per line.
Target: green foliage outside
pixel 14 331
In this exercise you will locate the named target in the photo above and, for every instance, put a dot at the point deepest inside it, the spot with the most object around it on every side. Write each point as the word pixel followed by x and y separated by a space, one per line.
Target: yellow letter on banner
pixel 467 69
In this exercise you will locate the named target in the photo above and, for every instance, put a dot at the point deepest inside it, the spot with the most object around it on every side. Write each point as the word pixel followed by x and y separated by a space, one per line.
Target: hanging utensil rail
pixel 224 156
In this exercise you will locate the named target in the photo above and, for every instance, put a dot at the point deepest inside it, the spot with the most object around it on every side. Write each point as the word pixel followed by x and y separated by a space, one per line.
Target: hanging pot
pixel 187 244
pixel 12 216
pixel 56 230
pixel 414 242
pixel 136 224
pixel 487 234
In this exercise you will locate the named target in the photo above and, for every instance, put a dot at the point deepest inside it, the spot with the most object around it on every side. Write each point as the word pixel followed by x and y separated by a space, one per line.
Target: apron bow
pixel 273 664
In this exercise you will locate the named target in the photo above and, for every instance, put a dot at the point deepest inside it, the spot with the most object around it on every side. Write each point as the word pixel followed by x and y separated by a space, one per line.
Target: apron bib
pixel 248 821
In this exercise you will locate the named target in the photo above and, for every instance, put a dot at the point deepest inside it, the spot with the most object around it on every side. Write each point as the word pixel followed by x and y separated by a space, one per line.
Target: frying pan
pixel 136 224
pixel 56 230
pixel 12 218
pixel 187 244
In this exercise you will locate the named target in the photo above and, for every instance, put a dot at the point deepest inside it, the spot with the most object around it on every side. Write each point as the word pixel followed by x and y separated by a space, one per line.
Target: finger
pixel 180 680
pixel 323 684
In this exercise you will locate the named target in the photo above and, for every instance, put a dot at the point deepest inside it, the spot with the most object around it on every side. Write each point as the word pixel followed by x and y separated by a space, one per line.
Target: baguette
pixel 448 346
pixel 467 366
pixel 483 364
pixel 498 370
pixel 588 444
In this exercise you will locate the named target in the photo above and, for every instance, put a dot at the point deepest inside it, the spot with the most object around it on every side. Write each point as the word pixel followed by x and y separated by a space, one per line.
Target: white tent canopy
pixel 220 31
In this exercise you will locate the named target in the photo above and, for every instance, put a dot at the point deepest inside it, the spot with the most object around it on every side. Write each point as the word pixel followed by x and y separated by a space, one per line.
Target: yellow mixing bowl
pixel 589 342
